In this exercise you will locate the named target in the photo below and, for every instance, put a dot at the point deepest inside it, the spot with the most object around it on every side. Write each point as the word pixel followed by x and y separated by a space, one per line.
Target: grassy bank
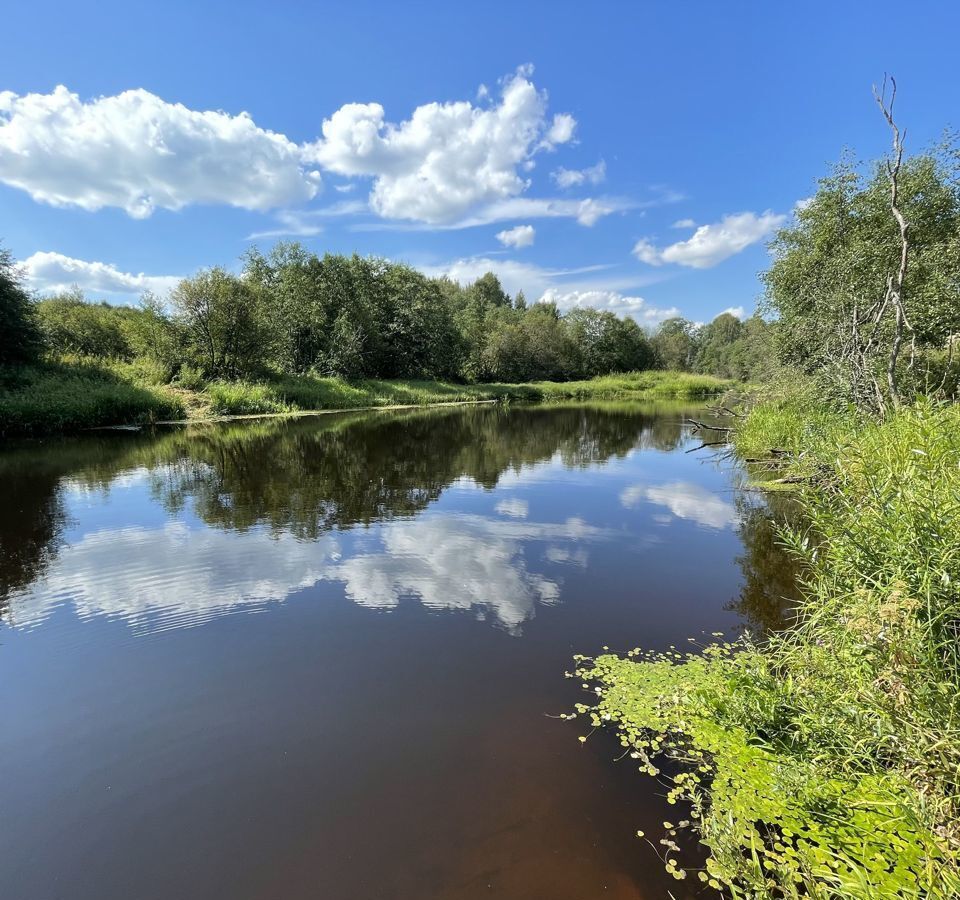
pixel 74 394
pixel 70 396
pixel 826 761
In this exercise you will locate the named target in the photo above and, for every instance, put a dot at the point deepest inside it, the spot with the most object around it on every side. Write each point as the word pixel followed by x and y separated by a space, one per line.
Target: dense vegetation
pixel 295 331
pixel 291 313
pixel 824 761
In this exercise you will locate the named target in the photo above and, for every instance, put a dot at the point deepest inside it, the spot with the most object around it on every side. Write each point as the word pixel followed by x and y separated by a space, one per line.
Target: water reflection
pixel 685 501
pixel 256 512
pixel 158 578
pixel 771 575
pixel 464 562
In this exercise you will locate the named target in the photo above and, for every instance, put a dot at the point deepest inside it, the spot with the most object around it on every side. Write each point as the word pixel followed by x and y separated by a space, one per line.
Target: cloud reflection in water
pixel 175 576
pixel 685 500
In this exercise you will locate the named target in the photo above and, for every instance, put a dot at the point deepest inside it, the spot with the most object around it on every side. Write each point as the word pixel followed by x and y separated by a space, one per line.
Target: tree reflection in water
pixel 285 490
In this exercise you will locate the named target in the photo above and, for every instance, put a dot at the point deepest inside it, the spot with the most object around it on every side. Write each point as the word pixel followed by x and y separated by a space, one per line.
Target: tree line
pixel 292 312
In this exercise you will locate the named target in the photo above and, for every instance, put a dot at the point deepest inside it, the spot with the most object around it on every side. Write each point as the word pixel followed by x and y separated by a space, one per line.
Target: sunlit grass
pixel 75 395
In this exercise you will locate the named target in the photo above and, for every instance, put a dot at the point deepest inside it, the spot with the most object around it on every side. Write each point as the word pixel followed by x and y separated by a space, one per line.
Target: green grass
pixel 75 393
pixel 826 762
pixel 72 395
pixel 308 392
pixel 634 385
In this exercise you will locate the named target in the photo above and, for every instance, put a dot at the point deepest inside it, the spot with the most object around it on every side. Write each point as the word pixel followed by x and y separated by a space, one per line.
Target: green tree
pixel 290 277
pixel 829 277
pixel 224 323
pixel 422 340
pixel 154 336
pixel 20 340
pixel 716 345
pixel 675 344
pixel 608 344
pixel 489 291
pixel 484 303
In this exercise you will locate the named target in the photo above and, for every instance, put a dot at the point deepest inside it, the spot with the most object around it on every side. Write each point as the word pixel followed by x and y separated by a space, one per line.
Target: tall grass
pixel 634 385
pixel 826 763
pixel 73 395
pixel 314 393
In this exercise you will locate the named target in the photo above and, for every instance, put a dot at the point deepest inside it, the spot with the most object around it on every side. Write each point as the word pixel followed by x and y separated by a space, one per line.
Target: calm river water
pixel 318 658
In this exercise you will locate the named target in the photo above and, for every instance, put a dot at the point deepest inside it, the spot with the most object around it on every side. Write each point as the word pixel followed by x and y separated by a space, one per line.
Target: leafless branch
pixel 895 282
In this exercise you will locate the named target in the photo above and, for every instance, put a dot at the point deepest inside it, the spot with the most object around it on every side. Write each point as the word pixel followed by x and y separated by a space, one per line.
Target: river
pixel 323 657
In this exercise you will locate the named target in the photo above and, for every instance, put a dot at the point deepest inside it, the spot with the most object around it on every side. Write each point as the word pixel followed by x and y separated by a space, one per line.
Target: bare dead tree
pixel 894 292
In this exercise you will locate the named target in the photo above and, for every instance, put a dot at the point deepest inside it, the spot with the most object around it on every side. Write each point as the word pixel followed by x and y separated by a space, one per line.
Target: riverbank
pixel 73 395
pixel 824 761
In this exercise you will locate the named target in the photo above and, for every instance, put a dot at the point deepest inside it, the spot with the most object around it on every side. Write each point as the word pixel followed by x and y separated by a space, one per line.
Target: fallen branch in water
pixel 698 426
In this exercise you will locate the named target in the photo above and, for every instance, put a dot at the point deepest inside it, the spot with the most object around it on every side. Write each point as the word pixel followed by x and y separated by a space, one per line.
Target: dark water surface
pixel 315 658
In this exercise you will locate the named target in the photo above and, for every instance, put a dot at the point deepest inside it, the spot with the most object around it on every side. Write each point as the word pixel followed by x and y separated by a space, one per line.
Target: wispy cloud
pixel 568 178
pixel 308 222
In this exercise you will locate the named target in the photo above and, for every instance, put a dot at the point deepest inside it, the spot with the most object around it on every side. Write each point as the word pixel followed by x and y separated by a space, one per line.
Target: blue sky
pixel 632 156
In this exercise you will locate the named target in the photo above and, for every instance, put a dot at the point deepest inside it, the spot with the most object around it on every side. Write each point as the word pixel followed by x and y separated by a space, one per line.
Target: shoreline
pixel 76 396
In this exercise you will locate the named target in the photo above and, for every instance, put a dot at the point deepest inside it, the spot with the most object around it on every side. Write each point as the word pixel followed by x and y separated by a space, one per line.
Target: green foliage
pixel 20 340
pixel 635 386
pixel 72 325
pixel 609 344
pixel 675 344
pixel 80 393
pixel 223 323
pixel 354 317
pixel 77 394
pixel 730 348
pixel 831 265
pixel 824 763
pixel 297 332
pixel 311 392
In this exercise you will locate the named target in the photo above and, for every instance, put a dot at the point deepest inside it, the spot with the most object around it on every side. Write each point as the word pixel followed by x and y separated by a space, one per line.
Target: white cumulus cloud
pixel 711 244
pixel 521 236
pixel 447 158
pixel 737 311
pixel 611 301
pixel 567 178
pixel 49 272
pixel 561 130
pixel 137 152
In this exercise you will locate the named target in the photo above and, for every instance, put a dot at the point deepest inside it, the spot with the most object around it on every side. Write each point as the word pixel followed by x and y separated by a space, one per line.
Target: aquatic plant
pixel 824 762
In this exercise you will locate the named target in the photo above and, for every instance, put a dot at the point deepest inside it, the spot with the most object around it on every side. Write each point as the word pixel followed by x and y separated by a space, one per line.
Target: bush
pixel 71 325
